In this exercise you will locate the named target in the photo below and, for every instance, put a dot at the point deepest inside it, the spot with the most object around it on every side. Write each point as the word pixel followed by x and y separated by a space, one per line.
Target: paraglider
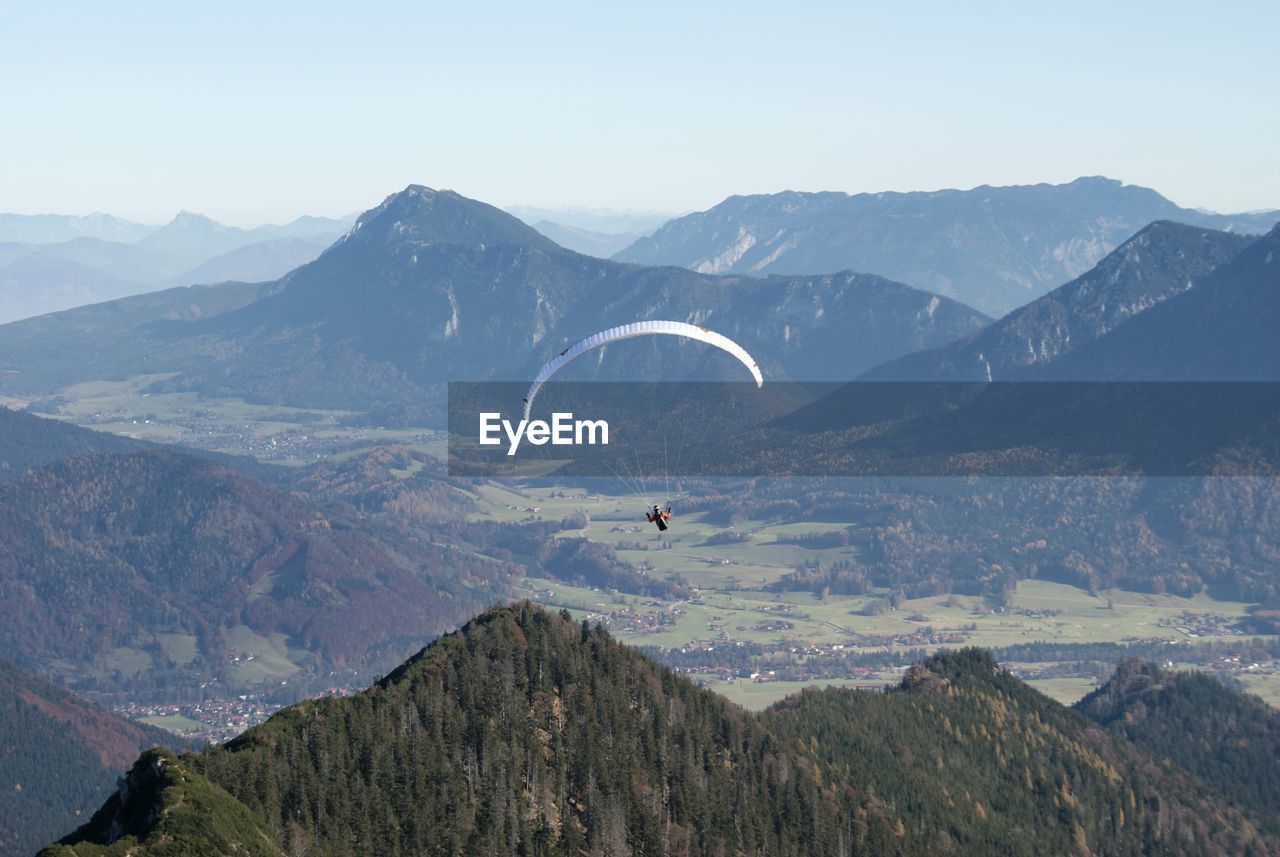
pixel 660 517
pixel 657 515
pixel 631 331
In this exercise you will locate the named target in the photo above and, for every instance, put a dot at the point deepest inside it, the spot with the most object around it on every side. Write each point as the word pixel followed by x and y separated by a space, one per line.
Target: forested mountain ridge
pixel 28 442
pixel 60 756
pixel 110 556
pixel 162 808
pixel 994 248
pixel 933 536
pixel 1228 739
pixel 526 732
pixel 1162 260
pixel 980 763
pixel 529 733
pixel 1223 329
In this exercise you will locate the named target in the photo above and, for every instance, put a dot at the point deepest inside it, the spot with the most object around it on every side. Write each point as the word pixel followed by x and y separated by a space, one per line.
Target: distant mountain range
pixel 1222 329
pixel 528 733
pixel 50 262
pixel 255 263
pixel 61 228
pixel 602 245
pixel 1172 303
pixel 431 286
pixel 993 248
pixel 599 232
pixel 61 757
pixel 1159 262
pixel 602 221
pixel 53 228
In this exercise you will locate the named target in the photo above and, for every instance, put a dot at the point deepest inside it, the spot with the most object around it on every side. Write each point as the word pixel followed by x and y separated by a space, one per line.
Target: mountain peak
pixel 193 219
pixel 162 802
pixel 428 216
pixel 1097 181
pixel 1133 675
pixel 191 238
pixel 1178 237
pixel 1228 738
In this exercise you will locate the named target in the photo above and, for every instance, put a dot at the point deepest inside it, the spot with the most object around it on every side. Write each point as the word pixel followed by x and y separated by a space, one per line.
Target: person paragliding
pixel 657 515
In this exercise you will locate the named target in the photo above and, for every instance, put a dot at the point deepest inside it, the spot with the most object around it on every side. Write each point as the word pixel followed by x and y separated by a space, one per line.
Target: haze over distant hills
pixel 55 262
pixel 42 282
pixel 603 221
pixel 602 245
pixel 53 228
pixel 60 228
pixel 431 286
pixel 253 263
pixel 599 232
pixel 994 248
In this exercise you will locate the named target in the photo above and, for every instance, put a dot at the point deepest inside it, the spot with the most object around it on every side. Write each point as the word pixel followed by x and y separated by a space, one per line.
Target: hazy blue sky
pixel 261 111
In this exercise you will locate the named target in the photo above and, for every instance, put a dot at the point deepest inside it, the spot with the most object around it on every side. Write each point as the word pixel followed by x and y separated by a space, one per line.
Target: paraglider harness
pixel 659 517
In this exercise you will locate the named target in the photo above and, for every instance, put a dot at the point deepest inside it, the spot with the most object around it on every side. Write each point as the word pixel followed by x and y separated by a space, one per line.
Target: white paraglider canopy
pixel 631 331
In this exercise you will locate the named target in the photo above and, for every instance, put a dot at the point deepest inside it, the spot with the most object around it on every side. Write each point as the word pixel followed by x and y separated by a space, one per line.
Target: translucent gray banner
pixel 866 429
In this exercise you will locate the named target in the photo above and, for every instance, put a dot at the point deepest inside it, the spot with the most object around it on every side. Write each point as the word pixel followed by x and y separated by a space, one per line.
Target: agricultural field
pixel 255 658
pixel 179 648
pixel 1264 685
pixel 124 660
